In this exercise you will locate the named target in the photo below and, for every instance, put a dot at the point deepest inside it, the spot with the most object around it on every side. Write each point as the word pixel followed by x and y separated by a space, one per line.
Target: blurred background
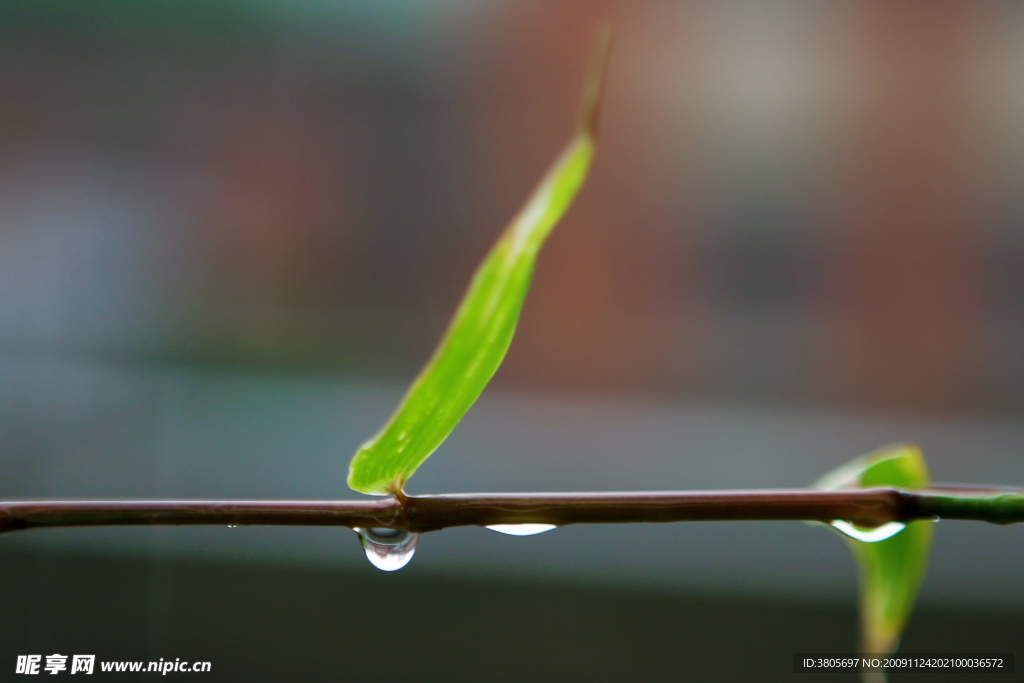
pixel 231 232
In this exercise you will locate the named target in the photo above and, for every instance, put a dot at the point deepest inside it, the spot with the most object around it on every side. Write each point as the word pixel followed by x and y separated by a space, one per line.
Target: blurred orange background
pixel 793 203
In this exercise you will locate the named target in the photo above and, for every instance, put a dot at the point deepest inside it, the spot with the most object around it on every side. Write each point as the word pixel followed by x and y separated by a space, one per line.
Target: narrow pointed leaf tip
pixel 891 570
pixel 480 332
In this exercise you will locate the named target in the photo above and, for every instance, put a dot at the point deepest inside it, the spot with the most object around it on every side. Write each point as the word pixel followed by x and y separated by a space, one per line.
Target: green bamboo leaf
pixel 482 329
pixel 891 571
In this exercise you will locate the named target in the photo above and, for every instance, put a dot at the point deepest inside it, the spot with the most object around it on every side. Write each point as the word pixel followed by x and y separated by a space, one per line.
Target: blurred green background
pixel 231 232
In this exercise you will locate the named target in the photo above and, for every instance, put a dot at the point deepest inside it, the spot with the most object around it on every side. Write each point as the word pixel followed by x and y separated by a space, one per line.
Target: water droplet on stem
pixel 521 529
pixel 875 535
pixel 388 549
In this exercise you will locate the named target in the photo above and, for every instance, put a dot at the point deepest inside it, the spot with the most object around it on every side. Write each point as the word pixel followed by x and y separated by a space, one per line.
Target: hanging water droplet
pixel 521 529
pixel 936 519
pixel 875 535
pixel 388 549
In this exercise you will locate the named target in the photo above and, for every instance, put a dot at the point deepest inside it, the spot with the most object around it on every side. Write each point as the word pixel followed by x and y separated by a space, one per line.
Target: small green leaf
pixel 482 329
pixel 891 571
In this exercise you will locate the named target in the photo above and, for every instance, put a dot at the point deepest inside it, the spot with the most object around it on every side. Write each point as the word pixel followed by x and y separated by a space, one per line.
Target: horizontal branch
pixel 867 507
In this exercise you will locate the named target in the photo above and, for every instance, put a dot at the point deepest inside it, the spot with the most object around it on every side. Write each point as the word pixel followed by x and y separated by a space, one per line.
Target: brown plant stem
pixel 867 507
